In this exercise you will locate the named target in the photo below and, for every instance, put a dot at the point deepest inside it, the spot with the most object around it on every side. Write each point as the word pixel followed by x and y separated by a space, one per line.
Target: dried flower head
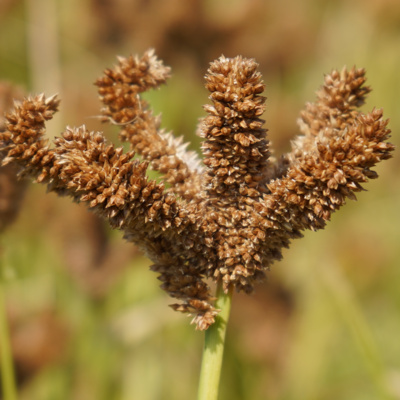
pixel 228 218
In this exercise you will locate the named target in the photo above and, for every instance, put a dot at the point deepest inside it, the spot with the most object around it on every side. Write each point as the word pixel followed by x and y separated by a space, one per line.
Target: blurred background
pixel 87 318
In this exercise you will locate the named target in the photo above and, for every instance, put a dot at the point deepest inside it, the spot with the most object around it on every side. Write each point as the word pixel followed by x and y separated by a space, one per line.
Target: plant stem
pixel 7 367
pixel 214 348
pixel 352 314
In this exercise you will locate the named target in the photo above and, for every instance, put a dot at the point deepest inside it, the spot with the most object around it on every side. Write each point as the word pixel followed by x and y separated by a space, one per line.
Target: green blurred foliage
pixel 325 325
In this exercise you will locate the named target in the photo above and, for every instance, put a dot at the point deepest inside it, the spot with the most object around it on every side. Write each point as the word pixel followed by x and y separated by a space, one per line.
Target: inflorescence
pixel 228 216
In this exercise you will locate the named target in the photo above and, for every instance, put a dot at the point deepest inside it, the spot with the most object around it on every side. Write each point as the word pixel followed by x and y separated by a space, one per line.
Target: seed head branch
pixel 235 147
pixel 335 154
pixel 120 91
pixel 11 189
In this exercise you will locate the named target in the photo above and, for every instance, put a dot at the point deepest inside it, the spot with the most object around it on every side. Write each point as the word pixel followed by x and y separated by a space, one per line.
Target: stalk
pixel 7 367
pixel 352 314
pixel 214 348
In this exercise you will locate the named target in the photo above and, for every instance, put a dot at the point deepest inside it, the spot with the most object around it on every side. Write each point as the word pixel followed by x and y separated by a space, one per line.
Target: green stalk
pixel 352 314
pixel 214 348
pixel 7 366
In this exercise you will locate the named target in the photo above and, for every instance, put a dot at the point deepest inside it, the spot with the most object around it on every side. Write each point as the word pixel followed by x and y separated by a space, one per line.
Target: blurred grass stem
pixel 43 50
pixel 214 344
pixel 347 304
pixel 7 367
pixel 43 45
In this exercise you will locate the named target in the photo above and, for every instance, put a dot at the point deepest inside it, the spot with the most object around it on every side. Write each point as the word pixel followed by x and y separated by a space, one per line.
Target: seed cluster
pixel 228 218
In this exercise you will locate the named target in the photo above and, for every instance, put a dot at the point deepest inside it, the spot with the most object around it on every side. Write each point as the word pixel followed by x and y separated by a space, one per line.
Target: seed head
pixel 225 219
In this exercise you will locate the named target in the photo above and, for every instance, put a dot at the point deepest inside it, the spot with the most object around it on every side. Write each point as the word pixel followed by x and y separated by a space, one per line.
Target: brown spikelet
pixel 229 219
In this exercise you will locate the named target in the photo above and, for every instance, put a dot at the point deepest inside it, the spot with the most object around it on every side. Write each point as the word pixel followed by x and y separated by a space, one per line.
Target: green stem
pixel 7 366
pixel 214 348
pixel 351 312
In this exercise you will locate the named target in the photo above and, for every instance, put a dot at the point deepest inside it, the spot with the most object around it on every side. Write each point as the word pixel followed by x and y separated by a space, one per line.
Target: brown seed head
pixel 229 219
